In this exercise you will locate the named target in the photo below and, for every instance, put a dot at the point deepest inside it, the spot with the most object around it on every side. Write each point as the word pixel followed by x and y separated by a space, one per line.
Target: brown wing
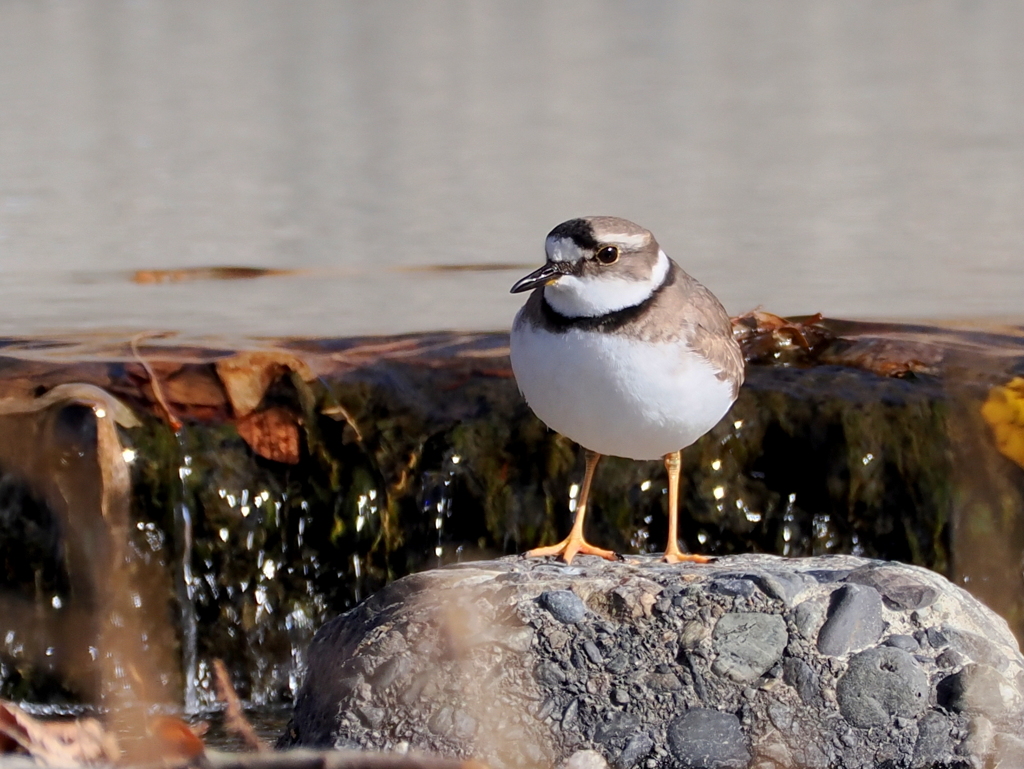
pixel 689 311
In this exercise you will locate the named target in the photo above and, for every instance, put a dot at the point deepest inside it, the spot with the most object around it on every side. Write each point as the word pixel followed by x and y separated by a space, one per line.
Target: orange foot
pixel 675 555
pixel 569 547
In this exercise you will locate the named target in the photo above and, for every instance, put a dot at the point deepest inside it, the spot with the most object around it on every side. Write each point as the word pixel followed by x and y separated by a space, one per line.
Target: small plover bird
pixel 620 350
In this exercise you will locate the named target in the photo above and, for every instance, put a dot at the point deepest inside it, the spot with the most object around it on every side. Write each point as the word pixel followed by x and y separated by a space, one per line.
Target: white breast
pixel 615 395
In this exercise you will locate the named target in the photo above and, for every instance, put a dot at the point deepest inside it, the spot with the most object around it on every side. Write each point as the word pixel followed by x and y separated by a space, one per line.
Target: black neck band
pixel 611 321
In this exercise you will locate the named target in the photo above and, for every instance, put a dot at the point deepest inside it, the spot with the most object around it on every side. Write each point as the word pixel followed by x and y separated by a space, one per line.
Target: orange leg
pixel 673 462
pixel 575 543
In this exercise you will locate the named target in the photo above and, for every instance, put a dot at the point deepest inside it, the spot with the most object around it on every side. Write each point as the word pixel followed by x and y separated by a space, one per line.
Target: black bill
pixel 549 272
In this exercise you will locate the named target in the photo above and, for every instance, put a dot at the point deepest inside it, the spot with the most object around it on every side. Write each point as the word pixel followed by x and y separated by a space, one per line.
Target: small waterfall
pixel 185 590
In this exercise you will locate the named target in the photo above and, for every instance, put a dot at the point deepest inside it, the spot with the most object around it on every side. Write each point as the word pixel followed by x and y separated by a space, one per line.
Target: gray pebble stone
pixel 637 748
pixel 976 648
pixel 902 641
pixel 900 588
pixel 747 644
pixel 390 671
pixel 949 659
pixel 801 677
pixel 934 738
pixel 785 586
pixel 663 682
pixel 826 576
pixel 564 605
pixel 570 714
pixel 808 617
pixel 733 586
pixel 593 653
pixel 617 664
pixel 979 690
pixel 549 673
pixel 935 638
pixel 881 683
pixel 702 738
pixel 854 621
pixel 617 726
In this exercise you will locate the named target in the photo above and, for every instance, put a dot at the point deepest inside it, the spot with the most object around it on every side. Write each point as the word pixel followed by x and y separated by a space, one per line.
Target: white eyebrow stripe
pixel 629 241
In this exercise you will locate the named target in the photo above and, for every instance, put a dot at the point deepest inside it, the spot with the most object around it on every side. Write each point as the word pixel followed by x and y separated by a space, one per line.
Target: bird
pixel 620 350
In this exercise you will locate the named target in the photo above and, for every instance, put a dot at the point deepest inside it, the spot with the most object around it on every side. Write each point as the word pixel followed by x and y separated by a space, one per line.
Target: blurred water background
pixel 859 159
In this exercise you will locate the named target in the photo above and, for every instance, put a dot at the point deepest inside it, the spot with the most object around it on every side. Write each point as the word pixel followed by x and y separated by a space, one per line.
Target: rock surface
pixel 752 661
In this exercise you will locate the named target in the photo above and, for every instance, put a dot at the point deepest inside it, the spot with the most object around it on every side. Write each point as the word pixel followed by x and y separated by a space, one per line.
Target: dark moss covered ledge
pixel 751 661
pixel 305 474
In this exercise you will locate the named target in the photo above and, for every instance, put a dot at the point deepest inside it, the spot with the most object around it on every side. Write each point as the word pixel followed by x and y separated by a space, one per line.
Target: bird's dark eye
pixel 608 255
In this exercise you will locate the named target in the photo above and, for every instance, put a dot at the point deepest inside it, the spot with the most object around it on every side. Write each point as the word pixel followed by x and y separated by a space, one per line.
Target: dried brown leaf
pixel 272 433
pixel 247 375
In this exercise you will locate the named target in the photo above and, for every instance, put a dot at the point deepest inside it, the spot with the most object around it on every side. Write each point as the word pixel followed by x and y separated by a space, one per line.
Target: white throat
pixel 594 296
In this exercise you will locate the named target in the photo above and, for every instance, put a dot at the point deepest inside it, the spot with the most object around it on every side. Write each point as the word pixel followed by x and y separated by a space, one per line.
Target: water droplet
pixel 55 602
pixel 719 492
pixel 128 455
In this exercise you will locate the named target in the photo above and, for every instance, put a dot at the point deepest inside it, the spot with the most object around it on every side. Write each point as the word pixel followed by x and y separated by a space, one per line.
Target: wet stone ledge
pixel 235 496
pixel 753 661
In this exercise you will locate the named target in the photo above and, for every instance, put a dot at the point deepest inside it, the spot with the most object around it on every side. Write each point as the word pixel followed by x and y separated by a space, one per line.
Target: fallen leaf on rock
pixel 272 433
pixel 55 743
pixel 763 335
pixel 247 375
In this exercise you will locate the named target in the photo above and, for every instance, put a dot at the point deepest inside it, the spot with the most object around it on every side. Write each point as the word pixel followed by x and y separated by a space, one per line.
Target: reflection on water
pixel 859 159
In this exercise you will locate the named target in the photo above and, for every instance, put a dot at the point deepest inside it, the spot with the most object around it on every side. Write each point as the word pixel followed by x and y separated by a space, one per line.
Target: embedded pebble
pixel 899 588
pixel 708 739
pixel 881 683
pixel 979 689
pixel 905 642
pixel 747 644
pixel 854 621
pixel 638 746
pixel 564 605
pixel 801 677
